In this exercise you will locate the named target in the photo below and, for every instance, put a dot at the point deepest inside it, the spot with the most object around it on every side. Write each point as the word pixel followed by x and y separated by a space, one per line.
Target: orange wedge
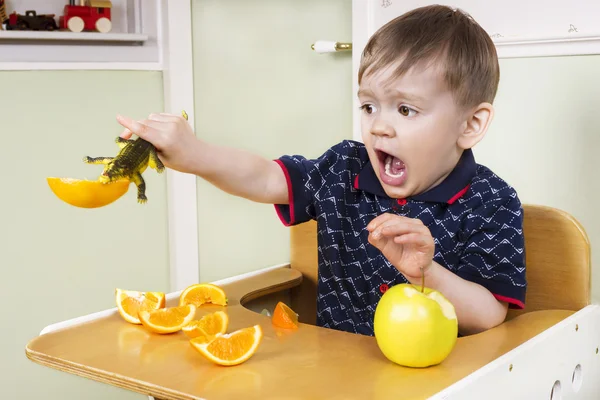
pixel 284 317
pixel 201 293
pixel 208 326
pixel 169 319
pixel 87 194
pixel 131 302
pixel 231 348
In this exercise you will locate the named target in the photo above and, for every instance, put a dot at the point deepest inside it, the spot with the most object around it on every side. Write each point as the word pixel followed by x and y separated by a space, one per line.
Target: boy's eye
pixel 406 111
pixel 368 108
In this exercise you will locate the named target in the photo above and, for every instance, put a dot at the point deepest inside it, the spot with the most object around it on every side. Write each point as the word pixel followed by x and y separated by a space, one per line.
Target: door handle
pixel 324 46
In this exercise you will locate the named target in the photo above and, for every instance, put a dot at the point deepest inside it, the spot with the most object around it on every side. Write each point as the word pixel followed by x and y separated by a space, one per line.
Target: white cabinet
pixel 133 41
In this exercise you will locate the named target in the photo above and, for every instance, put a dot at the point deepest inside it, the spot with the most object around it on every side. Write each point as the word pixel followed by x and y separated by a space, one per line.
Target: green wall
pixel 260 87
pixel 545 137
pixel 58 261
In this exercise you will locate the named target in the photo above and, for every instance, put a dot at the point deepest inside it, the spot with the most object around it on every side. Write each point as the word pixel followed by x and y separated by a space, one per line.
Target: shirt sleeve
pixel 494 253
pixel 305 179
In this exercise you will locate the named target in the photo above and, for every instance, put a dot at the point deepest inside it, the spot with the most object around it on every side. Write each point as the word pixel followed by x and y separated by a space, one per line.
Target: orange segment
pixel 131 302
pixel 284 317
pixel 201 293
pixel 87 194
pixel 207 326
pixel 168 320
pixel 231 348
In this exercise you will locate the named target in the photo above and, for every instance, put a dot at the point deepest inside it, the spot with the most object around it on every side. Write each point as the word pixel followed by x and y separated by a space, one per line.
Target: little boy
pixel 410 199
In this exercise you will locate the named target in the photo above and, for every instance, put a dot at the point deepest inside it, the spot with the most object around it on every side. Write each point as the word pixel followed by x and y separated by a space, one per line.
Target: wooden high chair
pixel 557 252
pixel 547 350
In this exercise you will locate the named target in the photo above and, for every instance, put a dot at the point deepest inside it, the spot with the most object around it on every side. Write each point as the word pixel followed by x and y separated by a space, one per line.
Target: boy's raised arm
pixel 237 172
pixel 241 173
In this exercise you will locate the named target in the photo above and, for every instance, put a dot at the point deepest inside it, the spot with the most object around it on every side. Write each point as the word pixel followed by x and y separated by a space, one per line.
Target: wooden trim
pixel 178 78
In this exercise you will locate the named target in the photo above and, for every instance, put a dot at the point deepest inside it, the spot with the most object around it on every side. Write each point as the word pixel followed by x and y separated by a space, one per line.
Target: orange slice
pixel 201 293
pixel 168 320
pixel 231 348
pixel 87 194
pixel 131 302
pixel 284 317
pixel 208 326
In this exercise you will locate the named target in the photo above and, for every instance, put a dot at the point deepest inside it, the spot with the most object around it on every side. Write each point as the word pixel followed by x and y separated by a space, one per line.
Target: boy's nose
pixel 382 128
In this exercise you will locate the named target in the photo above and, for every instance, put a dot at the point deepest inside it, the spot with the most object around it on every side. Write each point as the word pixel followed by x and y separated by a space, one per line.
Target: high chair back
pixel 557 256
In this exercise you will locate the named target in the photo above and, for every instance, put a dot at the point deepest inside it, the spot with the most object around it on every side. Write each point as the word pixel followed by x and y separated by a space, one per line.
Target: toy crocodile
pixel 131 161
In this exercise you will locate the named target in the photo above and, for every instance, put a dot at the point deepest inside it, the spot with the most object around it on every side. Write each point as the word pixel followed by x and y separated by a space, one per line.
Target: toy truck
pixel 89 15
pixel 31 21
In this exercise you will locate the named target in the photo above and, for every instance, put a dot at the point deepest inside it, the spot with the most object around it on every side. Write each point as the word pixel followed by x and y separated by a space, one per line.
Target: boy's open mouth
pixel 392 170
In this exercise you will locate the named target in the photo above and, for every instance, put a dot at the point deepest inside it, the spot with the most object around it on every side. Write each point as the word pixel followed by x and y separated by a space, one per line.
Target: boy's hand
pixel 405 242
pixel 171 134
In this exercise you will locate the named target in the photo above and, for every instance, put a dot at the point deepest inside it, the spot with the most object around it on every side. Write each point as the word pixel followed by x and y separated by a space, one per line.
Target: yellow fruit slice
pixel 169 319
pixel 207 326
pixel 231 348
pixel 131 302
pixel 85 193
pixel 201 293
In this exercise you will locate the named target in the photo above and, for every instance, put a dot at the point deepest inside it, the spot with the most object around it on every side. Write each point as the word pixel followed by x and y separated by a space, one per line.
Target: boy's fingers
pixel 130 124
pixel 142 130
pixel 388 218
pixel 126 134
pixel 401 229
pixel 399 226
pixel 376 241
pixel 162 117
pixel 412 238
pixel 158 125
pixel 380 219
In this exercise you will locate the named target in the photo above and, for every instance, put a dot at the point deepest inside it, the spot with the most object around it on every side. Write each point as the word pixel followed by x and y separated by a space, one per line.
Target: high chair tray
pixel 313 362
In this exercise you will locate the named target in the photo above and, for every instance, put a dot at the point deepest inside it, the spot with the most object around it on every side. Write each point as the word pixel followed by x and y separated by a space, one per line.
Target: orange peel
pixel 87 194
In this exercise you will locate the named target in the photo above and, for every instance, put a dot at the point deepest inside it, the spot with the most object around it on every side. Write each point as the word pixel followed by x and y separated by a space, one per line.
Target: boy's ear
pixel 476 125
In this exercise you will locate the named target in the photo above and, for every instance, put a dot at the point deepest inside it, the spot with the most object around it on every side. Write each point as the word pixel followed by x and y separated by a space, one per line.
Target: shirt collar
pixel 451 188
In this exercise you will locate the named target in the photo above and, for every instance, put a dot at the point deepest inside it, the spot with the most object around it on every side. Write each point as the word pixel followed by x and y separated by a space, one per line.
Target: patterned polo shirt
pixel 475 218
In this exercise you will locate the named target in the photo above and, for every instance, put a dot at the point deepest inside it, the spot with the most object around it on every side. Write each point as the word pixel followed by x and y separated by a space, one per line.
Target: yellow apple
pixel 414 328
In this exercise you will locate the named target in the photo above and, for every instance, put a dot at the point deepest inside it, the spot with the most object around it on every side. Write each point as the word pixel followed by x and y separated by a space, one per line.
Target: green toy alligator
pixel 131 161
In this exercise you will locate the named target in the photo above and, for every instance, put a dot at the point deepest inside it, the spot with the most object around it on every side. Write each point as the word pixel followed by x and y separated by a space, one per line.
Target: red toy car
pixel 89 15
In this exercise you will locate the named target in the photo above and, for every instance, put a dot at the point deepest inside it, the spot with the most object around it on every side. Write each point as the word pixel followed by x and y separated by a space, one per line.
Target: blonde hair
pixel 438 34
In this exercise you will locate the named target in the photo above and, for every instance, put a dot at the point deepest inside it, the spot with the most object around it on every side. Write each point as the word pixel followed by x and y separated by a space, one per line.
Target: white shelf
pixel 134 42
pixel 71 36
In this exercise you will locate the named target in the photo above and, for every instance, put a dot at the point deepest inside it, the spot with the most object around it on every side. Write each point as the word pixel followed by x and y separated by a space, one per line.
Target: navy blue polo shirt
pixel 475 218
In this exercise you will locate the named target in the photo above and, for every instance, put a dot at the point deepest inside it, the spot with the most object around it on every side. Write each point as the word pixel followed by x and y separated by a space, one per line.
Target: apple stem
pixel 422 280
